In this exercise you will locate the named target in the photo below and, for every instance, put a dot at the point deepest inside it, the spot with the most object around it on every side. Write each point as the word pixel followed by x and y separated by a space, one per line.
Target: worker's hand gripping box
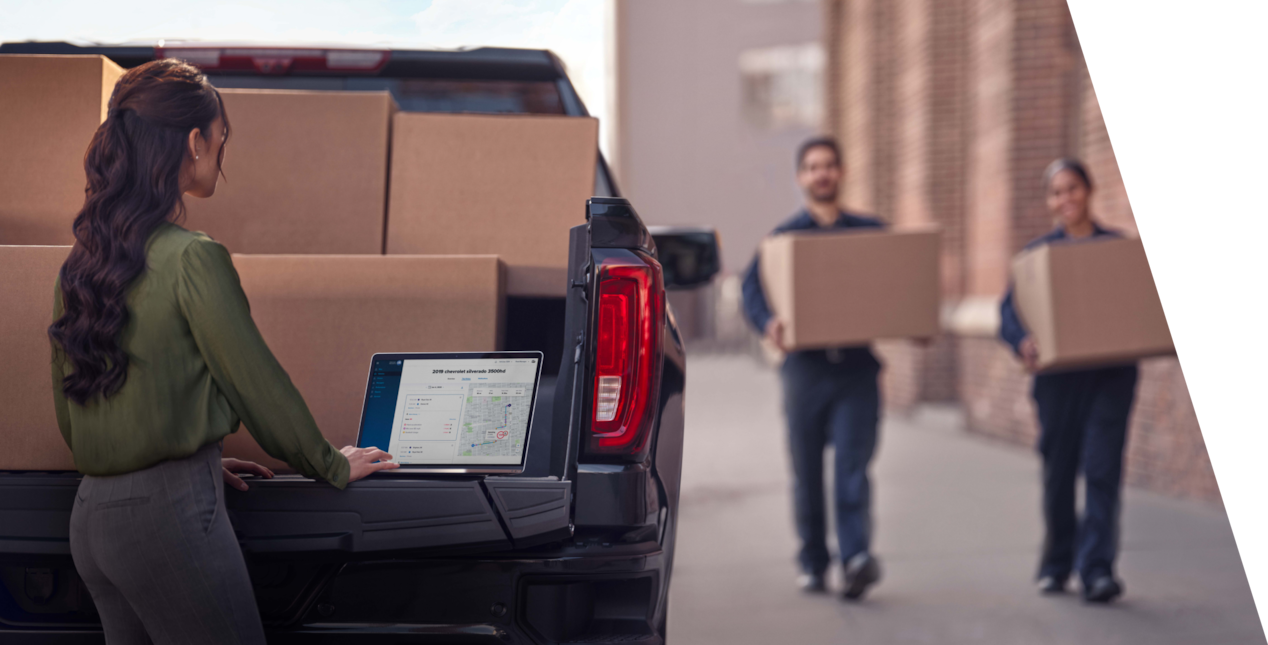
pixel 1090 303
pixel 50 107
pixel 835 289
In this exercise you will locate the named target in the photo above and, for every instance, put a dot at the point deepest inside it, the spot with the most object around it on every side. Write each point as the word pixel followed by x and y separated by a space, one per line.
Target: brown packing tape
pixel 325 316
pixel 50 107
pixel 510 185
pixel 29 438
pixel 305 172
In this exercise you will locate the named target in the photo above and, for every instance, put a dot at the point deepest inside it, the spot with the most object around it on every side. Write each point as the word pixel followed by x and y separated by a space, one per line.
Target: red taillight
pixel 627 356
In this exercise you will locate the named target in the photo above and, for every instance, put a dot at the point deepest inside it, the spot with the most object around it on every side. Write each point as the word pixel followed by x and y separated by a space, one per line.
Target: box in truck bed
pixel 50 107
pixel 510 185
pixel 323 317
pixel 29 439
pixel 306 172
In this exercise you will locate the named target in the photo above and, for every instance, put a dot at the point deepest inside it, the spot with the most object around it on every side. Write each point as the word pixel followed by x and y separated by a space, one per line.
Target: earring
pixel 195 157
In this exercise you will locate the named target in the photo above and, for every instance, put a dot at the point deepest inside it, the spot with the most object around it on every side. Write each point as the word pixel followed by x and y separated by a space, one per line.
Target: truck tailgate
pixel 290 514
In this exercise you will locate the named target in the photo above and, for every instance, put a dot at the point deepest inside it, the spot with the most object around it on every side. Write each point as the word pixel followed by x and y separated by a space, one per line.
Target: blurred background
pixel 948 111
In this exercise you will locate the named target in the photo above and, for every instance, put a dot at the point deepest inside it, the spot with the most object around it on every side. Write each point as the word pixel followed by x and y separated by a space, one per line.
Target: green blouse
pixel 197 368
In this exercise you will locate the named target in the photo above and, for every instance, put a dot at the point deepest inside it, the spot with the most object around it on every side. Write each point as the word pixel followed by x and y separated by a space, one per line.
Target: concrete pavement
pixel 957 530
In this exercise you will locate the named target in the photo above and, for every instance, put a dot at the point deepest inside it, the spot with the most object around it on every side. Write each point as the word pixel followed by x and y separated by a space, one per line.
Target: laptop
pixel 454 413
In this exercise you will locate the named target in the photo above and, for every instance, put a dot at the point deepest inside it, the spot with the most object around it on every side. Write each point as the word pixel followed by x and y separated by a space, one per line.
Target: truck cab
pixel 577 549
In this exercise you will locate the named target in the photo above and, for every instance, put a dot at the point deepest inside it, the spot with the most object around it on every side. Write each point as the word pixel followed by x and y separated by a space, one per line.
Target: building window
pixel 782 86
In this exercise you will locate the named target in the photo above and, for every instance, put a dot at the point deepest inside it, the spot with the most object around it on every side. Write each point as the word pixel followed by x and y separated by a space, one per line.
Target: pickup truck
pixel 577 549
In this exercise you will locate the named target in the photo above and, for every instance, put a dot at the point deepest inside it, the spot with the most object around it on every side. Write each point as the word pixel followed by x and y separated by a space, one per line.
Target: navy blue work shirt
pixel 1010 327
pixel 757 310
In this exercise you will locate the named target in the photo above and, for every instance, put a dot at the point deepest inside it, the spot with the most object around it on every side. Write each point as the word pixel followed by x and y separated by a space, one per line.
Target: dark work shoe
pixel 861 572
pixel 1102 589
pixel 1051 584
pixel 812 582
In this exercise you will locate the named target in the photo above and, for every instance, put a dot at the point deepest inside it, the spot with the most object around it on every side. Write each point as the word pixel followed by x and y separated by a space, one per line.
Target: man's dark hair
pixel 818 142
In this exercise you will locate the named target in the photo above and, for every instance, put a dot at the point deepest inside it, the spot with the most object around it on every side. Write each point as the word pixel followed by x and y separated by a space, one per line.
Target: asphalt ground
pixel 957 528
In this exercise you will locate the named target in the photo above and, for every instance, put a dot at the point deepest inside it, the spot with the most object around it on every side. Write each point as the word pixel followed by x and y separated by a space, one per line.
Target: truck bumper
pixel 588 592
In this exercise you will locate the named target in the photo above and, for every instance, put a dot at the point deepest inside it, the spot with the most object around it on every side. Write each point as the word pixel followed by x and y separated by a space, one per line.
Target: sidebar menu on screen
pixel 380 405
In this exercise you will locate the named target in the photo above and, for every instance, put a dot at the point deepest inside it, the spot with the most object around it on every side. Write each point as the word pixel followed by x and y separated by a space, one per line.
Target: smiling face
pixel 202 165
pixel 1068 198
pixel 819 174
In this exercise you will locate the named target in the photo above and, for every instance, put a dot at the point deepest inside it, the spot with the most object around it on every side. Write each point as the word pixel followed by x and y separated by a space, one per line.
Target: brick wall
pixel 948 135
pixel 1165 451
pixel 1045 106
pixel 856 111
pixel 989 231
pixel 949 111
pixel 914 374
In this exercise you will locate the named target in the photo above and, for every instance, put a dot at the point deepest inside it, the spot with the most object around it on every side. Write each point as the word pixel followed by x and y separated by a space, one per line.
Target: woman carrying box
pixel 156 360
pixel 1083 417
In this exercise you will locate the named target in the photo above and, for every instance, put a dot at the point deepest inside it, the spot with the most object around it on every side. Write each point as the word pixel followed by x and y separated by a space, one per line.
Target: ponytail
pixel 133 168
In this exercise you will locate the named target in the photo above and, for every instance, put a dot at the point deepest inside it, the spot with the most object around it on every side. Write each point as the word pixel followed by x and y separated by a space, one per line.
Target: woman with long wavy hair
pixel 155 360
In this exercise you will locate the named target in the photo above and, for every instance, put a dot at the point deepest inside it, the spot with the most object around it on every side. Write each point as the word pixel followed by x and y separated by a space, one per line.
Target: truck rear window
pixel 423 94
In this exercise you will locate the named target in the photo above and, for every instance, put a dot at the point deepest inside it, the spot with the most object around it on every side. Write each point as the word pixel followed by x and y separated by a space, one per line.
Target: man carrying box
pixel 829 395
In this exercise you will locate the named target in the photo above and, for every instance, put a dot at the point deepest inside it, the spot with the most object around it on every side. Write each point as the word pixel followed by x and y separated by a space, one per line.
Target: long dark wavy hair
pixel 133 165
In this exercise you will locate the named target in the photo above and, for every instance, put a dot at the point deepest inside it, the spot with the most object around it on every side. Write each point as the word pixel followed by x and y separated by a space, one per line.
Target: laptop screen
pixel 451 410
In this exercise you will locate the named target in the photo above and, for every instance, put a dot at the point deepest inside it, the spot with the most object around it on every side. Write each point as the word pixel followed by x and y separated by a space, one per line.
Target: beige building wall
pixel 689 150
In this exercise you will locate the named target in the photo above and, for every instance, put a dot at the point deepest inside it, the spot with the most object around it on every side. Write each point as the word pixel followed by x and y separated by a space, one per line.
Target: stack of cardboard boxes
pixel 356 229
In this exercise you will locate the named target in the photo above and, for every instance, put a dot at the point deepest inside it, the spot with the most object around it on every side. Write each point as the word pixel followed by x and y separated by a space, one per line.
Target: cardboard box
pixel 50 107
pixel 322 316
pixel 506 185
pixel 1090 303
pixel 325 316
pixel 29 439
pixel 305 172
pixel 838 289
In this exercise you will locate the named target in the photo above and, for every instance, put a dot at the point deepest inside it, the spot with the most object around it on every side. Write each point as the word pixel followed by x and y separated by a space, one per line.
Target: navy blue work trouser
pixel 1083 417
pixel 837 403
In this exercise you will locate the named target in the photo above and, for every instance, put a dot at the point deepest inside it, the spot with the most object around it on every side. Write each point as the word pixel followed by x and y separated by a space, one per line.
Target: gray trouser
pixel 157 553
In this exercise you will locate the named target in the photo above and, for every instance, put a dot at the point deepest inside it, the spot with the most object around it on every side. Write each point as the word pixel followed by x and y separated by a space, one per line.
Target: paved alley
pixel 957 530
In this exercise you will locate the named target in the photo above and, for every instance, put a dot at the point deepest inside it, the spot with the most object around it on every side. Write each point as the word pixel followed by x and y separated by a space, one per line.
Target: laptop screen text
pixel 450 412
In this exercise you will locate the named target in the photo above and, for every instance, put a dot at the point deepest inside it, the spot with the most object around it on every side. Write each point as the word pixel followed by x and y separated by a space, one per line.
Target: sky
pixel 576 30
